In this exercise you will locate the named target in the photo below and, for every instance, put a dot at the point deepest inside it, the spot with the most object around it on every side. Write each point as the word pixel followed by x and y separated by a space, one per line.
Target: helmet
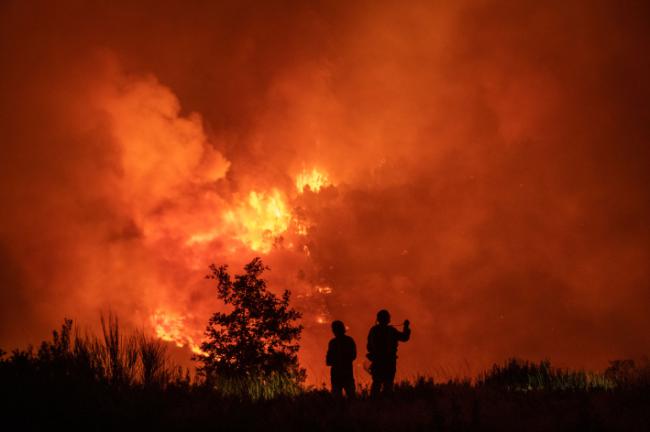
pixel 338 328
pixel 383 317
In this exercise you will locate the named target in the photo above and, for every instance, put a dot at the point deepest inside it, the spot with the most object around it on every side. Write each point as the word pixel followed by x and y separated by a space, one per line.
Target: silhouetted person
pixel 341 352
pixel 382 352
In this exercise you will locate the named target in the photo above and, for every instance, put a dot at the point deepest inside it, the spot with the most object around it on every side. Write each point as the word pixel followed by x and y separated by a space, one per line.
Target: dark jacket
pixel 341 352
pixel 382 342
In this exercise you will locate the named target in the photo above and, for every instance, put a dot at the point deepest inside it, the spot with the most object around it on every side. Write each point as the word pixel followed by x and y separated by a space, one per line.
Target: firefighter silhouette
pixel 382 352
pixel 341 352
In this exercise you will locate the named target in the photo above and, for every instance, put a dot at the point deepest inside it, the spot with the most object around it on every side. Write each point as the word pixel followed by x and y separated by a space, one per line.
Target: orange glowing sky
pixel 478 167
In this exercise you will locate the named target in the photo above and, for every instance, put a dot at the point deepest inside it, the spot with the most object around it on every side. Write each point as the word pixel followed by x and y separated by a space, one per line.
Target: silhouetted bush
pixel 627 373
pixel 252 350
pixel 115 359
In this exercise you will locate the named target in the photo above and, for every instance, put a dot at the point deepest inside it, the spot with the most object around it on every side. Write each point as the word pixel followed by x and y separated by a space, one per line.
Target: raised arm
pixel 403 336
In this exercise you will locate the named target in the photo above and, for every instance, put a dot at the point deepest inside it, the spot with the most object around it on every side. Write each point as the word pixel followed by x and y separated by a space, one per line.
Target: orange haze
pixel 478 167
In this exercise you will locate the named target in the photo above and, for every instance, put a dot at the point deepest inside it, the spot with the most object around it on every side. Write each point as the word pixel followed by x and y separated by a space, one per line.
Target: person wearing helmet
pixel 382 352
pixel 341 352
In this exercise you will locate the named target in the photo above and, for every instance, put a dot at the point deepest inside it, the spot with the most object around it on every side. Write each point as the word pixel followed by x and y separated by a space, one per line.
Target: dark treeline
pixel 125 381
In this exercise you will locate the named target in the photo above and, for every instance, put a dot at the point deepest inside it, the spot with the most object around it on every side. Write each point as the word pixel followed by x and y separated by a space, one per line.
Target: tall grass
pixel 113 358
pixel 255 388
pixel 520 375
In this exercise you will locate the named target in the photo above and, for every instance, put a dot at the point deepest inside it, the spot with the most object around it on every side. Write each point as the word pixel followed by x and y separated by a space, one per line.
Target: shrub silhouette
pixel 257 341
pixel 520 375
pixel 114 360
pixel 627 373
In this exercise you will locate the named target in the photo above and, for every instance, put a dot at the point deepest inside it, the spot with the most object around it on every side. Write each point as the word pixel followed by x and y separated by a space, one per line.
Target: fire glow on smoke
pixel 480 168
pixel 257 223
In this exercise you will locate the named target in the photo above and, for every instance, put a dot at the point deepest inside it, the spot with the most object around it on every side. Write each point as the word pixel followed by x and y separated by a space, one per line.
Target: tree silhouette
pixel 258 338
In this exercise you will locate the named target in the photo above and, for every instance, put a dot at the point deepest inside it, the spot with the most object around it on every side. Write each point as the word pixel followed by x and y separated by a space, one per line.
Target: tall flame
pixel 260 219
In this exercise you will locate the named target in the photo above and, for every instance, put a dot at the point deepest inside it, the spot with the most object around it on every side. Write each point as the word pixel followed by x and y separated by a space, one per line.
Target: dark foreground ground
pixel 444 407
pixel 118 382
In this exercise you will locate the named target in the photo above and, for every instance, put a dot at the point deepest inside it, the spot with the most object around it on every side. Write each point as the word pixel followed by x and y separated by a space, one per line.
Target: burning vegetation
pixel 479 167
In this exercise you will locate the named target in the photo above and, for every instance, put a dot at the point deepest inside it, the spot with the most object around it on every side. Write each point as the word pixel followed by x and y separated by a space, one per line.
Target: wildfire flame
pixel 315 180
pixel 260 219
pixel 255 221
pixel 170 327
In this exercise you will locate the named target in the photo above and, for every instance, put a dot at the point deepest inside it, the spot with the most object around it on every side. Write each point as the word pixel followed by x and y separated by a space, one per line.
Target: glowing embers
pixel 260 220
pixel 314 180
pixel 323 289
pixel 170 327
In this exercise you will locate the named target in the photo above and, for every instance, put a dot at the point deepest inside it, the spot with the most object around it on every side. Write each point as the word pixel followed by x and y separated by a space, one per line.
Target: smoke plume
pixel 480 168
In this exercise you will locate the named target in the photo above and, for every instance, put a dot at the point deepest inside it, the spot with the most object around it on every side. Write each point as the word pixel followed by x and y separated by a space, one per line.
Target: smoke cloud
pixel 479 168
